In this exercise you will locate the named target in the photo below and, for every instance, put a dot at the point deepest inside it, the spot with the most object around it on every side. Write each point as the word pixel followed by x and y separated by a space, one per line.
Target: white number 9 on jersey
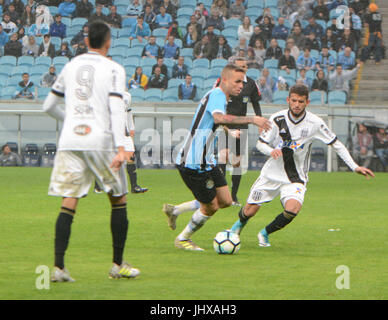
pixel 84 79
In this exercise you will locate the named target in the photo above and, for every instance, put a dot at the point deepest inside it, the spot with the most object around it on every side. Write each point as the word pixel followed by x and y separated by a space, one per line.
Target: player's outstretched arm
pixel 261 122
pixel 365 172
pixel 51 107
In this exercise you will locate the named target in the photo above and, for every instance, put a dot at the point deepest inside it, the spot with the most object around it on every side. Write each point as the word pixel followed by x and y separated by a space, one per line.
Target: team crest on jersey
pixel 304 133
pixel 210 184
pixel 82 130
pixel 257 195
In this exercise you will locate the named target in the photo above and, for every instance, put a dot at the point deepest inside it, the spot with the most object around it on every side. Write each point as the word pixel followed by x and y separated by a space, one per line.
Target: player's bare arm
pixel 261 122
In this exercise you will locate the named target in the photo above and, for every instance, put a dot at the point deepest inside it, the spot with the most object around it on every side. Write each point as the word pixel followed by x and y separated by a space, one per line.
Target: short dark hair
pixel 300 90
pixel 231 67
pixel 99 33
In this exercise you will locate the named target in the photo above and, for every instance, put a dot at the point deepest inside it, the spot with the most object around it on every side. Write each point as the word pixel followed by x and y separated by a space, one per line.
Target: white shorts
pixel 75 171
pixel 264 190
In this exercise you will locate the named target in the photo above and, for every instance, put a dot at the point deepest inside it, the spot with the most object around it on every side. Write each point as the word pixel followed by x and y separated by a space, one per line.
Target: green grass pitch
pixel 301 264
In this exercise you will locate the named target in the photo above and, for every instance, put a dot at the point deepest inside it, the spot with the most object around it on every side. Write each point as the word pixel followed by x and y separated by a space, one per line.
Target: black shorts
pixel 203 185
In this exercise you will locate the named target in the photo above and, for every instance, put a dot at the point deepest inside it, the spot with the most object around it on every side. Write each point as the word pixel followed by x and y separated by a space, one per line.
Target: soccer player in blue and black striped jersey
pixel 196 161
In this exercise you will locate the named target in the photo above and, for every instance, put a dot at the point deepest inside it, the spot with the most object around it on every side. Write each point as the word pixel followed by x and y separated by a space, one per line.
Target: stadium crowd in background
pixel 297 34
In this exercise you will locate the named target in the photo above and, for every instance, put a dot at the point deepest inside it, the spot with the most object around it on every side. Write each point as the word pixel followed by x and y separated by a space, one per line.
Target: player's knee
pixel 225 203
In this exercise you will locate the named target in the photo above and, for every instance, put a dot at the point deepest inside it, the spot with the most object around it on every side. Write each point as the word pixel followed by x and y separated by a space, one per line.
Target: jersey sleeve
pixel 117 82
pixel 59 86
pixel 217 102
pixel 269 136
pixel 324 134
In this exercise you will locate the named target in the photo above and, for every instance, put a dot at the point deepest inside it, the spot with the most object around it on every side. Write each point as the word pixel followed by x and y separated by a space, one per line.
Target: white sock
pixel 186 206
pixel 197 221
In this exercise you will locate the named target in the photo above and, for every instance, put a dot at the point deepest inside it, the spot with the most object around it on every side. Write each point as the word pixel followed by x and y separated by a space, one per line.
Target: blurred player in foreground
pixel 196 161
pixel 285 173
pixel 92 145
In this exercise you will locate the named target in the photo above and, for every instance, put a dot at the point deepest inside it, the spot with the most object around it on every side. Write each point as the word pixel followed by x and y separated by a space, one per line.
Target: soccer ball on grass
pixel 226 242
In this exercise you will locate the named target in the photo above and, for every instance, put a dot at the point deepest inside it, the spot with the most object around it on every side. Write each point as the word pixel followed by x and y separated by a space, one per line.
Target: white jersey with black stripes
pixel 90 82
pixel 295 140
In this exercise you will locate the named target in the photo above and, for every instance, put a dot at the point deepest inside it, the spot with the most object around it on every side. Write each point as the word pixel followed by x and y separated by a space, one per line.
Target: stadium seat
pixel 122 42
pixel 174 83
pixel 147 70
pixel 3 80
pixel 14 80
pixel 201 63
pixel 122 9
pixel 198 81
pixel 36 79
pixel 118 51
pixel 169 62
pixel 66 21
pixel 53 10
pixel 26 61
pixel 160 32
pixel 125 32
pixel 218 63
pixel 271 4
pixel 178 42
pixel 187 4
pixel 336 98
pixel 118 58
pixel 136 43
pixel 232 23
pixel 214 73
pixel 271 63
pixel 31 156
pixel 255 4
pixel 79 22
pixel 8 92
pixel 185 12
pixel 153 95
pixel 128 22
pixel 186 52
pixel 8 60
pixel 281 43
pixel 131 62
pixel 19 70
pixel 134 52
pixel 279 97
pixel 43 92
pixel 208 84
pixel 275 13
pixel 253 12
pixel 48 154
pixel 121 2
pixel 137 94
pixel 183 21
pixel 229 33
pixel 199 72
pixel 170 94
pixel 147 62
pixel 254 73
pixel 318 98
pixel 60 60
pixel 38 70
pixel 322 23
pixel 6 70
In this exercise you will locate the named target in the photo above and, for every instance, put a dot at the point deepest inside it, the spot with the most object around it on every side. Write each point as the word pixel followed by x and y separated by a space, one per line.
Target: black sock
pixel 62 235
pixel 119 228
pixel 235 185
pixel 280 221
pixel 243 218
pixel 223 168
pixel 131 168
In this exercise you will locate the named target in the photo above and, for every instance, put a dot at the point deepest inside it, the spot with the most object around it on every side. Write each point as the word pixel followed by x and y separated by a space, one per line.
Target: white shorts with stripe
pixel 74 173
pixel 265 190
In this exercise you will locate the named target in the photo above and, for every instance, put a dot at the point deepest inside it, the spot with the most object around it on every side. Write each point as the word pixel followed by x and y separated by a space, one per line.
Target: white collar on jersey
pixel 295 120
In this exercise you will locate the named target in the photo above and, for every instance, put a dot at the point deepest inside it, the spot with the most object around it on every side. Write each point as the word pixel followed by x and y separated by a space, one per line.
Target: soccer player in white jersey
pixel 92 145
pixel 285 173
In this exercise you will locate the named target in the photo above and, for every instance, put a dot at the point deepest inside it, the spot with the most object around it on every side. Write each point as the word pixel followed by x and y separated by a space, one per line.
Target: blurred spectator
pixel 356 25
pixel 158 80
pixel 266 13
pixel 140 30
pixel 359 6
pixel 280 31
pixel 13 47
pixel 160 64
pixel 268 78
pixel 213 38
pixel 266 28
pixel 43 20
pixel 203 49
pixel 191 37
pixel 135 8
pixel 329 40
pixel 163 19
pixel 265 90
pixel 314 27
pixel 253 61
pixel 346 39
pixel 19 7
pixel 320 83
pixel 9 27
pixel 22 37
pixel 113 18
pixel 381 146
pixel 49 77
pixel 333 27
pixel 9 158
pixel 347 59
pixel 98 15
pixel 33 4
pixel 288 8
pixel 336 3
pixel 298 37
pixel 363 146
pixel 151 49
pixel 4 38
pixel 149 16
pixel 305 60
pixel 245 30
pixel 170 8
pixel 25 88
pixel 320 11
pixel 325 61
pixel 202 10
pixel 84 9
pixel 201 19
pixel 58 29
pixel 170 49
pixel 303 79
pixel 193 22
pixel 242 45
pixel 30 48
pixel 290 44
pixel 28 17
pixel 175 31
pixel 215 20
pixel 273 51
pixel 374 22
pixel 180 70
pixel 287 61
pixel 257 34
pixel 312 42
pixel 14 16
pixel 237 10
pixel 259 49
pixel 81 49
pixel 221 6
pixel 64 51
pixel 104 3
pixel 138 79
pixel 80 36
pixel 187 90
pixel 223 49
pixel 67 8
pixel 239 53
pixel 339 79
